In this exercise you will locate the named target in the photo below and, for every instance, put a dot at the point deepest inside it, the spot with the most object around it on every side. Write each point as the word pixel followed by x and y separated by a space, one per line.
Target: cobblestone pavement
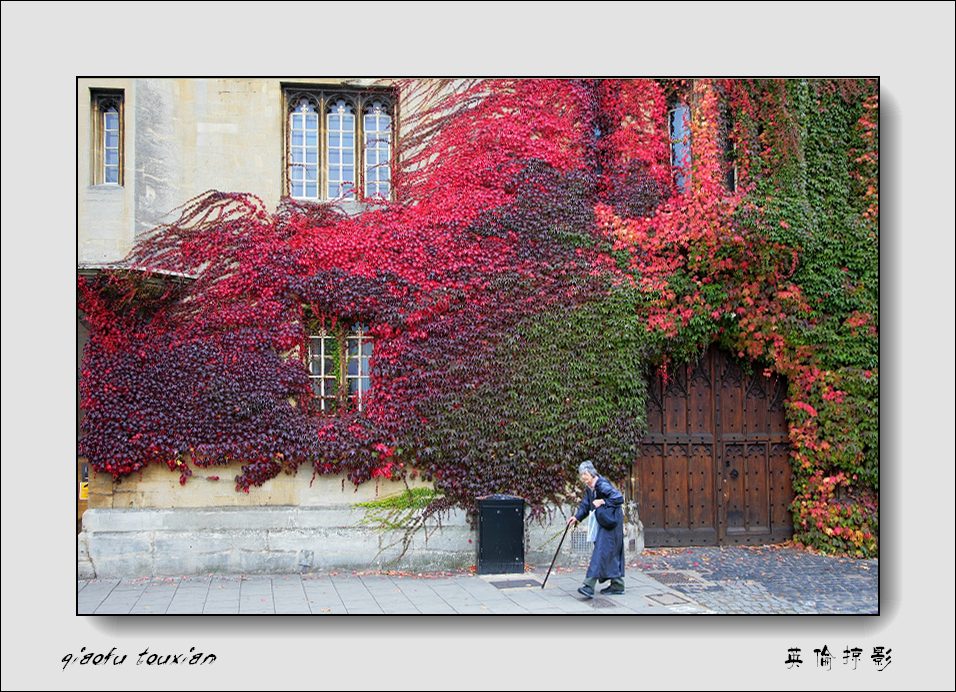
pixel 765 579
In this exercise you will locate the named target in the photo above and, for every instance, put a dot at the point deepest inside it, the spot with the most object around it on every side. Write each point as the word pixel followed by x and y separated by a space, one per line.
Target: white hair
pixel 588 468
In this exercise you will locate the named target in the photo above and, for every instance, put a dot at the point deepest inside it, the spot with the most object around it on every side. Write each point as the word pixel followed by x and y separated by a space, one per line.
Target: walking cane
pixel 568 526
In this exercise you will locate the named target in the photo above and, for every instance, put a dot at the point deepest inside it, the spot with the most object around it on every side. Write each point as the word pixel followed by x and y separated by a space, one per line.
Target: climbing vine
pixel 537 257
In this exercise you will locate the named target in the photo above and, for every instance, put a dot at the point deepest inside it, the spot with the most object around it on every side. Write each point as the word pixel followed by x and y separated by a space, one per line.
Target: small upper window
pixel 338 144
pixel 107 137
pixel 730 165
pixel 679 120
pixel 728 145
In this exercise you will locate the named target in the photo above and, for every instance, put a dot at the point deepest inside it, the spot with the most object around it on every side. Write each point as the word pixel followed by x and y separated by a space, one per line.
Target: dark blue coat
pixel 607 560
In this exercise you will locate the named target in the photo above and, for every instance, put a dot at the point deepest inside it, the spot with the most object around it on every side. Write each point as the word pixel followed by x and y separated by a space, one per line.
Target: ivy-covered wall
pixel 537 258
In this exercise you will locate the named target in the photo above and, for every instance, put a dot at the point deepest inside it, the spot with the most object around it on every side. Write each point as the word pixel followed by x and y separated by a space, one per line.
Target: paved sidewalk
pixel 367 594
pixel 738 579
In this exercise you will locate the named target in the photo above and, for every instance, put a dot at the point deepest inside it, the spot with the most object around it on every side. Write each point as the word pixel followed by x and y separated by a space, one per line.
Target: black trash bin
pixel 500 534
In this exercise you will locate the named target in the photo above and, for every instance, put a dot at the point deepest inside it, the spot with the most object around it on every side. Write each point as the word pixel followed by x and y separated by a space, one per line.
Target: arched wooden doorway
pixel 714 468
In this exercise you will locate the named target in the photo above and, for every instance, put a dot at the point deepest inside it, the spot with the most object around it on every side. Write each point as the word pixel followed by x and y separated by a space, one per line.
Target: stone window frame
pixel 101 103
pixel 340 371
pixel 320 99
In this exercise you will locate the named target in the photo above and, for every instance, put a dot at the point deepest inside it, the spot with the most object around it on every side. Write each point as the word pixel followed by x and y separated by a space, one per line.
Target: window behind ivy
pixel 679 121
pixel 338 363
pixel 324 354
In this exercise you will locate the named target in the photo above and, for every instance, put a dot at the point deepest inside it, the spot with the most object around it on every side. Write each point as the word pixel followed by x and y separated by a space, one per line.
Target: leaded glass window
pixel 378 150
pixel 339 144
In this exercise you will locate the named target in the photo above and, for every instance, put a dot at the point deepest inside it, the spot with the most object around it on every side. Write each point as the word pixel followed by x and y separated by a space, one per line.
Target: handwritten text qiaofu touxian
pixel 189 658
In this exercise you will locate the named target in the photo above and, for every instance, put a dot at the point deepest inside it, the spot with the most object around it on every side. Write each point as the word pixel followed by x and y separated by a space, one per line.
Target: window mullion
pixel 322 370
pixel 343 383
pixel 323 154
pixel 358 367
pixel 121 160
pixel 100 142
pixel 287 130
pixel 358 154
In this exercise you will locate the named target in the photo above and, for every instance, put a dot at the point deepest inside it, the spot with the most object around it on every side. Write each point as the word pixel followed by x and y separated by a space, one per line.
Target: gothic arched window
pixel 377 124
pixel 331 152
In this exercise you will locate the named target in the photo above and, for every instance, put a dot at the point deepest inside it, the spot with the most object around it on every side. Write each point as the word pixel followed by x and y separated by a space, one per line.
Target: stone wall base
pixel 243 540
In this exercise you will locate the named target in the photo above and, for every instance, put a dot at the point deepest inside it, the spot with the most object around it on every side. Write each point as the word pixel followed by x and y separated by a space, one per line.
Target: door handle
pixel 734 474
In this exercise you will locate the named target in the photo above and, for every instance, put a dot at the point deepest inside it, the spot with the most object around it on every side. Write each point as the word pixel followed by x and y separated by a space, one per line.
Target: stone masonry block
pixel 292 539
pixel 106 546
pixel 82 546
pixel 117 555
pixel 121 520
pixel 447 539
pixel 190 563
pixel 259 562
pixel 327 517
pixel 194 543
pixel 228 519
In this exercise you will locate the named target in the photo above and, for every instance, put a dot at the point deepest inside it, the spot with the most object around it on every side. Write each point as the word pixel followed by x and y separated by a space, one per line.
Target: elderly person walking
pixel 607 560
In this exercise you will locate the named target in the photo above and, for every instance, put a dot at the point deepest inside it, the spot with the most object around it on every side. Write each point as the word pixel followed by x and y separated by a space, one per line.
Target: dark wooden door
pixel 714 467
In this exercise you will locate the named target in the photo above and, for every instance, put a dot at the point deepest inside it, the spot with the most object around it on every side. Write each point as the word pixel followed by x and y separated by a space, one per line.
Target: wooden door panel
pixel 732 500
pixel 676 505
pixel 714 466
pixel 701 488
pixel 756 489
pixel 701 398
pixel 781 491
pixel 675 403
pixel 755 405
pixel 655 407
pixel 650 487
pixel 730 393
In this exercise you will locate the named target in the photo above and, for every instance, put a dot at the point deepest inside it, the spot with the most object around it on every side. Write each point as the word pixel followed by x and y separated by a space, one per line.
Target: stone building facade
pixel 146 146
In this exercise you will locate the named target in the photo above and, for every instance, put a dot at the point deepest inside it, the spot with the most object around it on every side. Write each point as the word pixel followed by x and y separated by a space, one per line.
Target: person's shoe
pixel 613 590
pixel 586 591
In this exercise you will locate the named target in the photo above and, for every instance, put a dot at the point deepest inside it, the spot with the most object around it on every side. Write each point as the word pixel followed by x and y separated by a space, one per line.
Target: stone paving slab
pixel 290 597
pixel 190 596
pixel 426 598
pixel 322 596
pixel 156 598
pixel 223 596
pixel 94 593
pixel 256 596
pixel 123 597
